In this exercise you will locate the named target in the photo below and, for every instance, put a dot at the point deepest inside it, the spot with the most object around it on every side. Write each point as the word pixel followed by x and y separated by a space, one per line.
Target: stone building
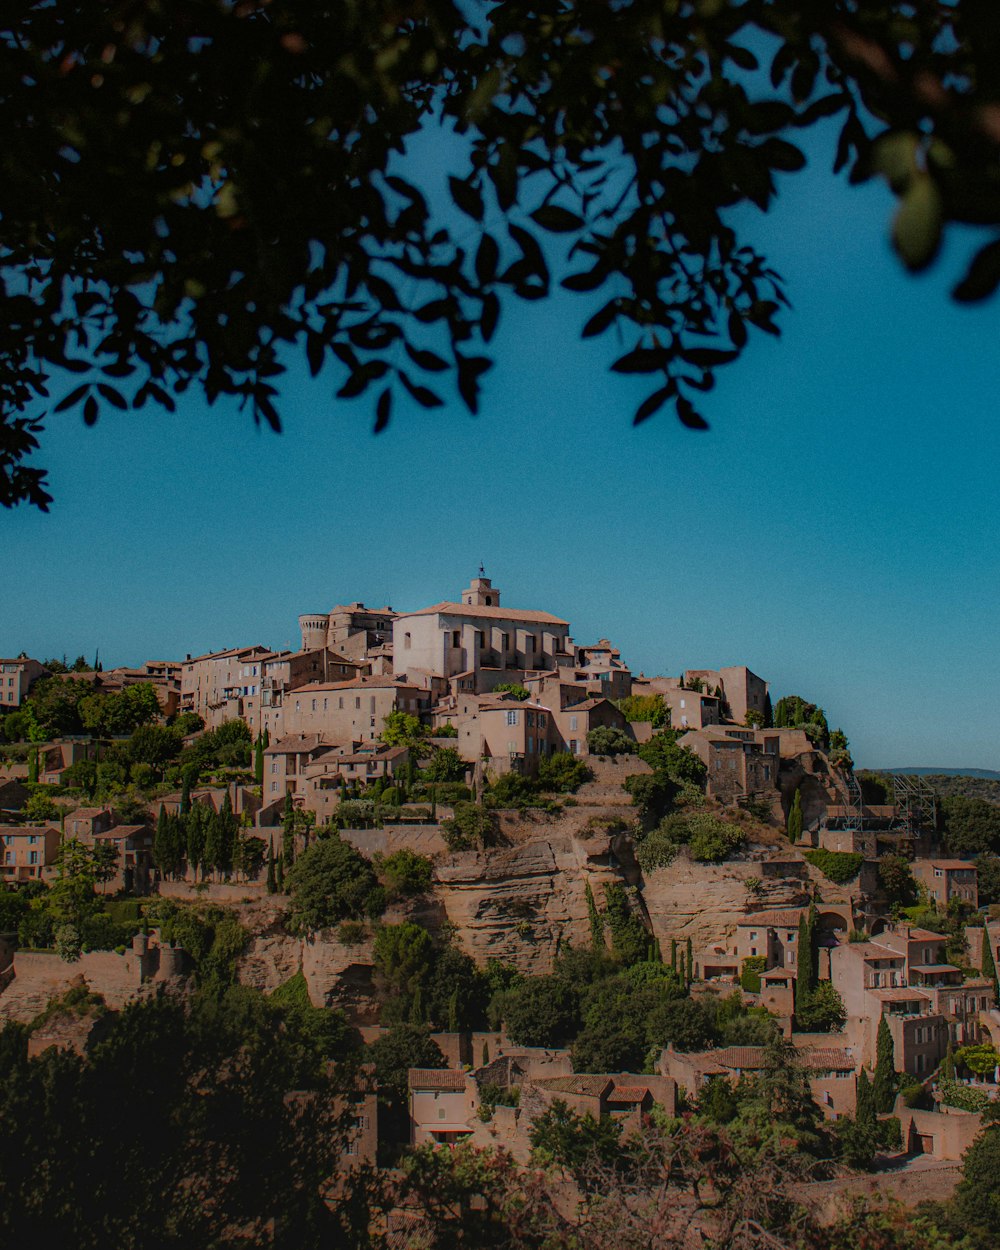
pixel 17 676
pixel 450 638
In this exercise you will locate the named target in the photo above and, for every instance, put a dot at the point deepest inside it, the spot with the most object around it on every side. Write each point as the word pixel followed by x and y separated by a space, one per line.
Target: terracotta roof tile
pixel 435 1078
pixel 497 614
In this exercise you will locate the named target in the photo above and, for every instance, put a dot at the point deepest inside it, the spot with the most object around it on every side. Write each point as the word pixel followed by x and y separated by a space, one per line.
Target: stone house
pixel 351 711
pixel 742 690
pixel 622 1096
pixel 84 823
pixel 737 764
pixel 902 974
pixel 509 736
pixel 17 676
pixel 576 721
pixel 134 844
pixel 28 851
pixel 214 685
pixel 945 879
pixel 443 1103
pixel 286 671
pixel 831 1070
pixel 773 935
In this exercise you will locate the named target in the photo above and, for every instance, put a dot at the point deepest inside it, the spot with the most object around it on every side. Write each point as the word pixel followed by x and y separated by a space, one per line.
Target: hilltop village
pixel 547 881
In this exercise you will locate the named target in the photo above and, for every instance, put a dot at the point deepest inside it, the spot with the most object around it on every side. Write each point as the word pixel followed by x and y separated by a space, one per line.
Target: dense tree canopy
pixel 194 192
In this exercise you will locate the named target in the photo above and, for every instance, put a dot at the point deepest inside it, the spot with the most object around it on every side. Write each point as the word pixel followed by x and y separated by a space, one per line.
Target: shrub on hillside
pixel 471 828
pixel 607 740
pixel 329 882
pixel 562 772
pixel 837 866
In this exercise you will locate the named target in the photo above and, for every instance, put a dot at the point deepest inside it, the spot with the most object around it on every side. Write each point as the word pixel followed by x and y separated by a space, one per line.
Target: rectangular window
pixel 357 704
pixel 482 638
pixel 531 743
pixel 340 702
pixel 573 723
pixel 574 746
pixel 324 705
pixel 274 786
pixel 505 639
pixel 511 718
pixel 314 705
pixel 32 857
pixel 274 766
pixel 530 718
pixel 456 637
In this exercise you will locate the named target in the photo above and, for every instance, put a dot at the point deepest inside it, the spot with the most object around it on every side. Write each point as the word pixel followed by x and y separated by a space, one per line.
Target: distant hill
pixel 970 783
pixel 942 772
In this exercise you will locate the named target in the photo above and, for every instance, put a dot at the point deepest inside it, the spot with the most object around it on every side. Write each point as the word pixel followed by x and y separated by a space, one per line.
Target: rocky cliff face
pixel 520 905
pixel 705 902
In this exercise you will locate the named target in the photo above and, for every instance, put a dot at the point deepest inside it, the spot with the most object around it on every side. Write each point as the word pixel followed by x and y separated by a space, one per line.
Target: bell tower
pixel 481 592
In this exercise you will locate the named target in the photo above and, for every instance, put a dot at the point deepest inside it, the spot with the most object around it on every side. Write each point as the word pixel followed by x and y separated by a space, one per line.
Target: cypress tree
pixel 434 803
pixel 185 793
pixel 33 767
pixel 258 761
pixel 690 962
pixel 988 963
pixel 681 971
pixel 805 977
pixel 288 836
pixel 196 839
pixel 865 1113
pixel 884 1084
pixel 272 883
pixel 279 873
pixel 161 843
pixel 453 1012
pixel 267 738
pixel 673 953
pixel 948 1063
pixel 795 818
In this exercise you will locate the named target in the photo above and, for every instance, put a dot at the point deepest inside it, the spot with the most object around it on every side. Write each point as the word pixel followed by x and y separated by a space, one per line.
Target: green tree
pixel 794 825
pixel 331 882
pixel 404 872
pixel 403 1047
pixel 696 131
pixel 272 883
pixel 977 1197
pixel 645 707
pixel 562 772
pixel 805 975
pixel 400 729
pixel 403 955
pixel 885 1082
pixel 897 881
pixel 445 765
pixel 470 828
pixel 679 764
pixel 541 1011
pixel 824 1012
pixel 607 740
pixel 258 760
pixel 988 963
pixel 560 1135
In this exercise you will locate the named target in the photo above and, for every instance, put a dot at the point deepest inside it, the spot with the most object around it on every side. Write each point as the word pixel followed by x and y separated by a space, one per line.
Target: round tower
pixel 314 626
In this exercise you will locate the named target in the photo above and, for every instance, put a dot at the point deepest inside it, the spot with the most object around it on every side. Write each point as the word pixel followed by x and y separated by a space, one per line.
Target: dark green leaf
pixel 652 404
pixel 689 416
pixel 642 360
pixel 558 220
pixel 72 398
pixel 487 257
pixel 467 197
pixel 425 359
pixel 426 398
pixel 983 276
pixel 112 396
pixel 382 410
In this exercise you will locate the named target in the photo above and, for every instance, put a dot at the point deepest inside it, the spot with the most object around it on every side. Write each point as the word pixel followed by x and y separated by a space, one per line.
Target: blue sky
pixel 835 530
